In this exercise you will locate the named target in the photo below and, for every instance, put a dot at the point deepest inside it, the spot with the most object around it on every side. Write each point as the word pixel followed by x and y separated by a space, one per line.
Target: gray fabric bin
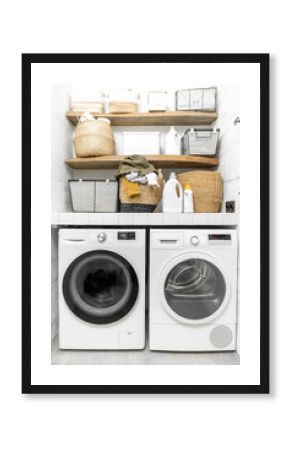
pixel 93 195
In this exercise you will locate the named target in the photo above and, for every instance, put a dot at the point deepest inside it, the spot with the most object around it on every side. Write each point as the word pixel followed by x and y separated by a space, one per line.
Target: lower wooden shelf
pixel 159 161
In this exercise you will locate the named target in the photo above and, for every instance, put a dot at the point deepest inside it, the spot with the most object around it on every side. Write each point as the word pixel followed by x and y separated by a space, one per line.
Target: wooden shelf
pixel 159 161
pixel 154 118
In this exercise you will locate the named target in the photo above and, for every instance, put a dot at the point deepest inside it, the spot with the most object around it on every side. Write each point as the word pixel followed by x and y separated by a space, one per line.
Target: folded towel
pixel 131 189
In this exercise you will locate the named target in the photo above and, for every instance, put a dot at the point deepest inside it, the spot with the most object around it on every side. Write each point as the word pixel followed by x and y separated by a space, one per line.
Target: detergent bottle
pixel 172 200
pixel 172 144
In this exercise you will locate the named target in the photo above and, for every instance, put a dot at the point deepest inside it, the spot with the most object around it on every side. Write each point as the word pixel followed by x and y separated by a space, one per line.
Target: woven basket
pixel 93 138
pixel 122 107
pixel 207 190
pixel 149 196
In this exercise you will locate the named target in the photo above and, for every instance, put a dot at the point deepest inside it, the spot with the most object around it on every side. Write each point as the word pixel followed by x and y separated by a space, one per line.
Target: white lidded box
pixel 200 141
pixel 157 101
pixel 141 143
pixel 93 195
pixel 200 99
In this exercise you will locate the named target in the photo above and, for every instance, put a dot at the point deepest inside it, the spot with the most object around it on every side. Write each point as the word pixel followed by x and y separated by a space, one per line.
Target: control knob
pixel 101 237
pixel 194 240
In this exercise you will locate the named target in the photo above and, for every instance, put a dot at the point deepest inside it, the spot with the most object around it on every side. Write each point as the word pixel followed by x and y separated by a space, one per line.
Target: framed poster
pixel 145 223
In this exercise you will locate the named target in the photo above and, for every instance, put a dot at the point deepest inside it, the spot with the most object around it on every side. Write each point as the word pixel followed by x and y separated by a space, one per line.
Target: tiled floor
pixel 139 357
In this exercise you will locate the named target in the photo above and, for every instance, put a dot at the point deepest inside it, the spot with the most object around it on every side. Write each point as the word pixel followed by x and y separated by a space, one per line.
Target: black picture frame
pixel 27 61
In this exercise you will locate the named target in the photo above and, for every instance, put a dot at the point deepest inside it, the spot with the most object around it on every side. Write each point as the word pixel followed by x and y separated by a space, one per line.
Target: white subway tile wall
pixel 228 101
pixel 61 148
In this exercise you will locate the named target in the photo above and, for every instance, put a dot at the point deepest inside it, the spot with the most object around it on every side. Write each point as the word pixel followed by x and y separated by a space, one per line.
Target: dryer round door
pixel 195 288
pixel 100 287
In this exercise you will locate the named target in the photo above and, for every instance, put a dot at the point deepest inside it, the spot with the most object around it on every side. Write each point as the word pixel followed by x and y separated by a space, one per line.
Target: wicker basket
pixel 94 138
pixel 122 107
pixel 207 190
pixel 146 201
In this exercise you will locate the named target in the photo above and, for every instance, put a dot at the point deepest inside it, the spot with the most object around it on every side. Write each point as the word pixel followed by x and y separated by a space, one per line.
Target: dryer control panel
pixel 193 239
pixel 220 239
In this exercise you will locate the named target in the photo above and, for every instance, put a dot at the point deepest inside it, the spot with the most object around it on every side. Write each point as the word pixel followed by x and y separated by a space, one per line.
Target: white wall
pixel 61 147
pixel 229 151
pixel 61 139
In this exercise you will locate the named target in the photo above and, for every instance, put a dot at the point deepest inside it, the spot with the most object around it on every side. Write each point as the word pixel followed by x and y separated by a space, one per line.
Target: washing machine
pixel 193 289
pixel 101 289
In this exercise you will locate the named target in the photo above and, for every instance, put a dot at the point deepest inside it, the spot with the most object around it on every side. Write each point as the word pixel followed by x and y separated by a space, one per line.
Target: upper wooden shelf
pixel 155 118
pixel 159 161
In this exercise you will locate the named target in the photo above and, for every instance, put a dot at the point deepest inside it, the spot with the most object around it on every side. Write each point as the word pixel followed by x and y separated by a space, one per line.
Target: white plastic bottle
pixel 188 199
pixel 172 144
pixel 172 198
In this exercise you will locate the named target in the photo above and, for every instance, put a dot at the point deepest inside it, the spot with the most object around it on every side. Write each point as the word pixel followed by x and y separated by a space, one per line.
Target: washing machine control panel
pixel 126 235
pixel 101 237
pixel 194 240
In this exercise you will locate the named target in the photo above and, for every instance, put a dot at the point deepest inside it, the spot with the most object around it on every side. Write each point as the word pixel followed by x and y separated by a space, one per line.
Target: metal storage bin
pixel 201 99
pixel 200 141
pixel 93 195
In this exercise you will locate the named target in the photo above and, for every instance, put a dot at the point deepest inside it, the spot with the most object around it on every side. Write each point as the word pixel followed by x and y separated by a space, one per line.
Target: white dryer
pixel 193 290
pixel 101 289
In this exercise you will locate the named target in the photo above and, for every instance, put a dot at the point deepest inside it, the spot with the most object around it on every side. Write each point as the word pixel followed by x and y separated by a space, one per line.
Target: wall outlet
pixel 231 206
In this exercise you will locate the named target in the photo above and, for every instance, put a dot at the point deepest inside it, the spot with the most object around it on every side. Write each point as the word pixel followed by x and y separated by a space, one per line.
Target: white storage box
pixel 201 99
pixel 200 141
pixel 93 195
pixel 157 101
pixel 140 143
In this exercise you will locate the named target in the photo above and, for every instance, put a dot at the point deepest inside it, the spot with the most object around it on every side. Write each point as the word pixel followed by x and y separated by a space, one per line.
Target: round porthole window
pixel 195 289
pixel 100 287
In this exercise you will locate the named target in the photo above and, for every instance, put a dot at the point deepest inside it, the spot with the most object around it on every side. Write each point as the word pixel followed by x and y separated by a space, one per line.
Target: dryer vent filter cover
pixel 221 336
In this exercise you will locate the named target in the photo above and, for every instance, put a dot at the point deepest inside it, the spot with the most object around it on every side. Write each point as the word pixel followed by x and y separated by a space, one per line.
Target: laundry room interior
pixel 150 232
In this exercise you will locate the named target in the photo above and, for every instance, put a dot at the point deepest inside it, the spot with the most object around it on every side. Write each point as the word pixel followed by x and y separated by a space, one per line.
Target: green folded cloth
pixel 135 163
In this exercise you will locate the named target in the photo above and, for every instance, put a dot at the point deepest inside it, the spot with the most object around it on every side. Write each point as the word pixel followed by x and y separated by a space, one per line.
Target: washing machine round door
pixel 100 287
pixel 195 289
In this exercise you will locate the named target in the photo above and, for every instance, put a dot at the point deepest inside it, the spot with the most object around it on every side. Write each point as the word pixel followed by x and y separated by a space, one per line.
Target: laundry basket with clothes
pixel 140 185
